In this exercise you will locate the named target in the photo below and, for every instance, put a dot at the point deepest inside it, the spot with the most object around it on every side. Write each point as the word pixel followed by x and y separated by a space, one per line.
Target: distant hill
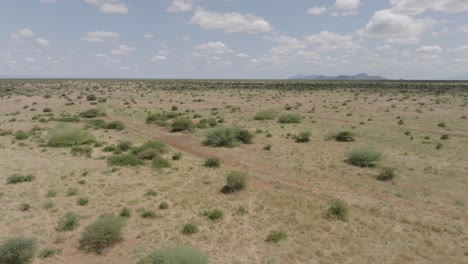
pixel 361 76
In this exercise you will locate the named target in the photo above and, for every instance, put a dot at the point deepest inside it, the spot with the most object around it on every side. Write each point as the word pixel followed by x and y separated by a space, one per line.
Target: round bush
pixel 338 210
pixel 235 181
pixel 265 115
pixel 124 160
pixel 228 137
pixel 103 233
pixel 212 163
pixel 290 119
pixel 17 250
pixel 182 124
pixel 345 136
pixel 276 236
pixel 189 229
pixel 364 157
pixel 303 137
pixel 176 255
pixel 387 174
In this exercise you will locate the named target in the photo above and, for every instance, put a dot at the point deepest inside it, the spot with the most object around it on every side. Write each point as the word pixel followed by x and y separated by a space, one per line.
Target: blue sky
pixel 411 39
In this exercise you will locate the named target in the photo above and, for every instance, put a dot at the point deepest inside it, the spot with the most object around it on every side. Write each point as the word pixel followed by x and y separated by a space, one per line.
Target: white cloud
pixel 430 49
pixel 149 36
pixel 214 47
pixel 109 6
pixel 30 59
pixel 42 41
pixel 100 55
pixel 99 36
pixel 186 39
pixel 180 6
pixel 384 47
pixel 122 50
pixel 346 7
pixel 328 41
pixel 22 33
pixel 49 1
pixel 230 22
pixel 463 29
pixel 395 28
pixel 158 58
pixel 287 42
pixel 460 49
pixel 416 7
pixel 317 10
pixel 241 55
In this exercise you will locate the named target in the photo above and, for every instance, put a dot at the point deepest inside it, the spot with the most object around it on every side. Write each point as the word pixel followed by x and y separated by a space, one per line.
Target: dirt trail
pixel 268 176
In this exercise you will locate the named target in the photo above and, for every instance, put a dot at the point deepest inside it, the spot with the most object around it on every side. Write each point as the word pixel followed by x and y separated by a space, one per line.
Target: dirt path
pixel 268 176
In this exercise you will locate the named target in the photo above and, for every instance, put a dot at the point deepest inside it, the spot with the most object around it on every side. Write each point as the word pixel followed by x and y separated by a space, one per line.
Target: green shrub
pixel 302 137
pixel 290 119
pixel 124 145
pixel 82 201
pixel 68 223
pixel 148 214
pixel 18 178
pixel 265 115
pixel 21 135
pixel 214 214
pixel 163 206
pixel 91 97
pixel 176 255
pixel 101 234
pixel 345 136
pixel 116 125
pixel 387 174
pixel 47 110
pixel 124 160
pixel 125 212
pixel 151 192
pixel 267 147
pixel 177 156
pixel 148 154
pixel 235 181
pixel 69 136
pixel 67 119
pixel 189 229
pixel 17 250
pixel 364 157
pixel 97 123
pixel 276 236
pixel 160 163
pixel 81 151
pixel 338 210
pixel 212 163
pixel 158 146
pixel 227 137
pixel 92 113
pixel 444 137
pixel 182 124
pixel 442 124
pixel 439 145
pixel 48 252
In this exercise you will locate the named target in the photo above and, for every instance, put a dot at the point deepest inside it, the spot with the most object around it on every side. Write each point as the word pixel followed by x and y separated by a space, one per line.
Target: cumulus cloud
pixel 180 6
pixel 214 47
pixel 230 22
pixel 22 33
pixel 43 42
pixel 122 50
pixel 396 28
pixel 346 7
pixel 328 41
pixel 149 36
pixel 241 55
pixel 416 7
pixel 99 36
pixel 109 6
pixel 158 58
pixel 317 10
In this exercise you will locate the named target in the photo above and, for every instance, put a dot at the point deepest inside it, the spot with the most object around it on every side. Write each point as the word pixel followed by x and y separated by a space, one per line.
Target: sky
pixel 233 39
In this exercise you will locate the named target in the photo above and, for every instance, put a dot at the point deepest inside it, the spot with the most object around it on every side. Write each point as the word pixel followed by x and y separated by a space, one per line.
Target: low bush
pixel 48 252
pixel 345 136
pixel 387 174
pixel 265 115
pixel 214 214
pixel 124 145
pixel 17 250
pixel 338 210
pixel 303 137
pixel 125 212
pixel 444 137
pixel 101 234
pixel 21 135
pixel 235 181
pixel 158 146
pixel 160 163
pixel 116 125
pixel 364 157
pixel 176 255
pixel 18 178
pixel 91 97
pixel 148 214
pixel 276 236
pixel 82 201
pixel 81 151
pixel 290 119
pixel 212 163
pixel 189 229
pixel 69 136
pixel 228 137
pixel 92 113
pixel 177 156
pixel 68 223
pixel 163 206
pixel 124 160
pixel 182 124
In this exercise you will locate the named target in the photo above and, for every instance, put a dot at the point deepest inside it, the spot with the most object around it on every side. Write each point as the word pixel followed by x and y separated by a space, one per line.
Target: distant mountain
pixel 361 76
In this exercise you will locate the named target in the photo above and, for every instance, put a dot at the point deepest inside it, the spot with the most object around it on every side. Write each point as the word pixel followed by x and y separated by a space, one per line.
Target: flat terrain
pixel 421 129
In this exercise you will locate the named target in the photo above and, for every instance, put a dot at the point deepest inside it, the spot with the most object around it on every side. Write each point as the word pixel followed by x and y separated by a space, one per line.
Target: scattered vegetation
pixel 106 231
pixel 276 236
pixel 265 115
pixel 18 178
pixel 228 137
pixel 17 250
pixel 290 118
pixel 124 160
pixel 69 136
pixel 176 255
pixel 68 223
